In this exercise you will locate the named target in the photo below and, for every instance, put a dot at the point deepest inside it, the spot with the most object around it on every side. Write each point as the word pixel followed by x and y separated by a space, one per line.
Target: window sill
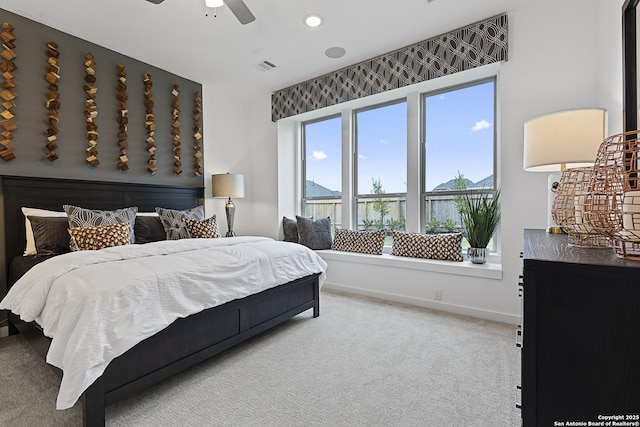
pixel 465 268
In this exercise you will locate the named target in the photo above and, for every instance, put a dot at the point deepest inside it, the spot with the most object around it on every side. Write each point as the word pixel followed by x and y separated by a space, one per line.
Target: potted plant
pixel 480 215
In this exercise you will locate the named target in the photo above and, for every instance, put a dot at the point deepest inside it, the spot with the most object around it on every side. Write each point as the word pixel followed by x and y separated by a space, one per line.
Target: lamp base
pixel 231 211
pixel 554 229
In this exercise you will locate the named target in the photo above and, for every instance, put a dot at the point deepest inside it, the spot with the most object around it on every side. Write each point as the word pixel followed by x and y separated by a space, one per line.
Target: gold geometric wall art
pixel 197 135
pixel 79 127
pixel 149 124
pixel 52 103
pixel 91 110
pixel 122 119
pixel 175 130
pixel 7 94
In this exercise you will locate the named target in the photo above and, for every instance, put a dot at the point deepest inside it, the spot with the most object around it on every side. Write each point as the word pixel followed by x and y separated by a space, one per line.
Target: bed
pixel 185 342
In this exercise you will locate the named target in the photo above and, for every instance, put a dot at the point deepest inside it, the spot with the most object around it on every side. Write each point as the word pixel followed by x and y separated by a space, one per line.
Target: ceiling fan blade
pixel 155 1
pixel 240 10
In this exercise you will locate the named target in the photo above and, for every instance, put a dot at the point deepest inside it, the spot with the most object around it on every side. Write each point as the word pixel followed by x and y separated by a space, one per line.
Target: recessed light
pixel 313 21
pixel 335 52
pixel 214 3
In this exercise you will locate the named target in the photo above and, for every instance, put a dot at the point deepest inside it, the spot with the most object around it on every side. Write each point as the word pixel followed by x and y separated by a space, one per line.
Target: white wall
pixel 562 55
pixel 240 138
pixel 609 61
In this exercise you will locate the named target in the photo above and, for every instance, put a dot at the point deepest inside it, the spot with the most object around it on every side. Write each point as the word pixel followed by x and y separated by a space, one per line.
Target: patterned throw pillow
pixel 205 229
pixel 80 217
pixel 446 247
pixel 101 236
pixel 366 242
pixel 314 234
pixel 173 224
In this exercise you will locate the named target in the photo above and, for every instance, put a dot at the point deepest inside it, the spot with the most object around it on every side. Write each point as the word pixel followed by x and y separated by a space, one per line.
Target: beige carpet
pixel 361 363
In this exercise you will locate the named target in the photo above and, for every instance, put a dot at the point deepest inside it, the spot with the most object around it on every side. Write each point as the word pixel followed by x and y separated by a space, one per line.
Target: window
pixel 322 165
pixel 381 162
pixel 459 141
pixel 409 159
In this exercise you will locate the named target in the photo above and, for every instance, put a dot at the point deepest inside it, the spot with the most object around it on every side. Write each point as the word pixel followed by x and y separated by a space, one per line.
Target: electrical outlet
pixel 438 295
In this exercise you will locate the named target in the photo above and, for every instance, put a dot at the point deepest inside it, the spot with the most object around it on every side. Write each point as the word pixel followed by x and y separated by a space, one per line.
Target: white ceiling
pixel 178 37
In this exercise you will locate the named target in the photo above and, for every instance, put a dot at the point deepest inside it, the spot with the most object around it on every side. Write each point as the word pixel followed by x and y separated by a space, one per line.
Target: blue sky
pixel 459 132
pixel 459 129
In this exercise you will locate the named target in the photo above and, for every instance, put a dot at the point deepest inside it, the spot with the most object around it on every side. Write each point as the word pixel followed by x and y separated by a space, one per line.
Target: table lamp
pixel 561 140
pixel 228 185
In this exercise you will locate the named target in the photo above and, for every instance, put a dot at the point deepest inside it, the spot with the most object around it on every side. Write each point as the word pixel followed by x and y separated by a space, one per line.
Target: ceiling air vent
pixel 265 65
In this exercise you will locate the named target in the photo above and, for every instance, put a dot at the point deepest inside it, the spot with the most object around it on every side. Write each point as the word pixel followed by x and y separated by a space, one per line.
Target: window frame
pixel 354 173
pixel 303 166
pixel 289 132
pixel 424 194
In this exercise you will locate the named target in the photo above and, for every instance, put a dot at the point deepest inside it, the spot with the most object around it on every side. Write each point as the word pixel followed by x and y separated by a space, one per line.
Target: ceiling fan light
pixel 214 3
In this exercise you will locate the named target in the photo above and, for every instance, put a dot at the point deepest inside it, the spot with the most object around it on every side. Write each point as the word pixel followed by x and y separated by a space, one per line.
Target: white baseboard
pixel 435 305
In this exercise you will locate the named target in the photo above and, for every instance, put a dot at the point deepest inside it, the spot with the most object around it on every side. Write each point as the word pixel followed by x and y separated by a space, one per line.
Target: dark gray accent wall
pixel 31 88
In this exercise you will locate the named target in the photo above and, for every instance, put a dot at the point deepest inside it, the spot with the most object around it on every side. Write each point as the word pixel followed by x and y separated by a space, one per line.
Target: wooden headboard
pixel 47 193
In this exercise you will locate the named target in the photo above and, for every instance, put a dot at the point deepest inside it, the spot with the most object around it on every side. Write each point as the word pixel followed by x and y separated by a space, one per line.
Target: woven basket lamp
pixel 569 206
pixel 612 204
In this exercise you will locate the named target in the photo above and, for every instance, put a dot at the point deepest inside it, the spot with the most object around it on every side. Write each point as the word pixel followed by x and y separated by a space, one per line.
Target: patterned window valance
pixel 478 44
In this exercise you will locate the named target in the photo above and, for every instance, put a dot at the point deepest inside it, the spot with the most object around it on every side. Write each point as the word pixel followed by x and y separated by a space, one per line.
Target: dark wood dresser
pixel 580 334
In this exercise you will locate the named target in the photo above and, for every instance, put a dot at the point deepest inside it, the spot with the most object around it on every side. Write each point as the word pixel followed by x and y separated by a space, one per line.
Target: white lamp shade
pixel 214 3
pixel 229 185
pixel 566 139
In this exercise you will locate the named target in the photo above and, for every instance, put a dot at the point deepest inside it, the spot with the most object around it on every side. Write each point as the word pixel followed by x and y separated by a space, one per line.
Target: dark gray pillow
pixel 50 234
pixel 314 234
pixel 290 228
pixel 149 229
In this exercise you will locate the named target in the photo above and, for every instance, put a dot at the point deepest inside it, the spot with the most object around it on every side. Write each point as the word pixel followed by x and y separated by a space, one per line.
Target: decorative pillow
pixel 148 228
pixel 447 247
pixel 27 212
pixel 80 217
pixel 50 234
pixel 205 229
pixel 314 234
pixel 172 221
pixel 290 228
pixel 101 236
pixel 366 242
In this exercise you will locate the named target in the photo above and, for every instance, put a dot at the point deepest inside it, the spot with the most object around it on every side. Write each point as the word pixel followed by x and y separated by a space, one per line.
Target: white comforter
pixel 95 305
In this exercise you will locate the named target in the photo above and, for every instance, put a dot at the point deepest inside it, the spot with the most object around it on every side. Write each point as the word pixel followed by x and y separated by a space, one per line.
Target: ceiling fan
pixel 237 7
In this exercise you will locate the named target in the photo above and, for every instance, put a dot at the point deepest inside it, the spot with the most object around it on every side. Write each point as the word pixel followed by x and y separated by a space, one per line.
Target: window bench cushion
pixel 446 247
pixel 366 242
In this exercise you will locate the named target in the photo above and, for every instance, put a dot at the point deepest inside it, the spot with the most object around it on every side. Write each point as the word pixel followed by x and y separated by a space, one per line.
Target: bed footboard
pixel 193 339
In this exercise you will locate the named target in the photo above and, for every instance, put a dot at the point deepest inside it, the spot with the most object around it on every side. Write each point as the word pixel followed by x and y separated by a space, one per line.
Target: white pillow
pixel 27 212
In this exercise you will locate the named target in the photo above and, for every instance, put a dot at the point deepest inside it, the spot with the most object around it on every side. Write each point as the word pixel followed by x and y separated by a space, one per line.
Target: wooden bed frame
pixel 182 344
